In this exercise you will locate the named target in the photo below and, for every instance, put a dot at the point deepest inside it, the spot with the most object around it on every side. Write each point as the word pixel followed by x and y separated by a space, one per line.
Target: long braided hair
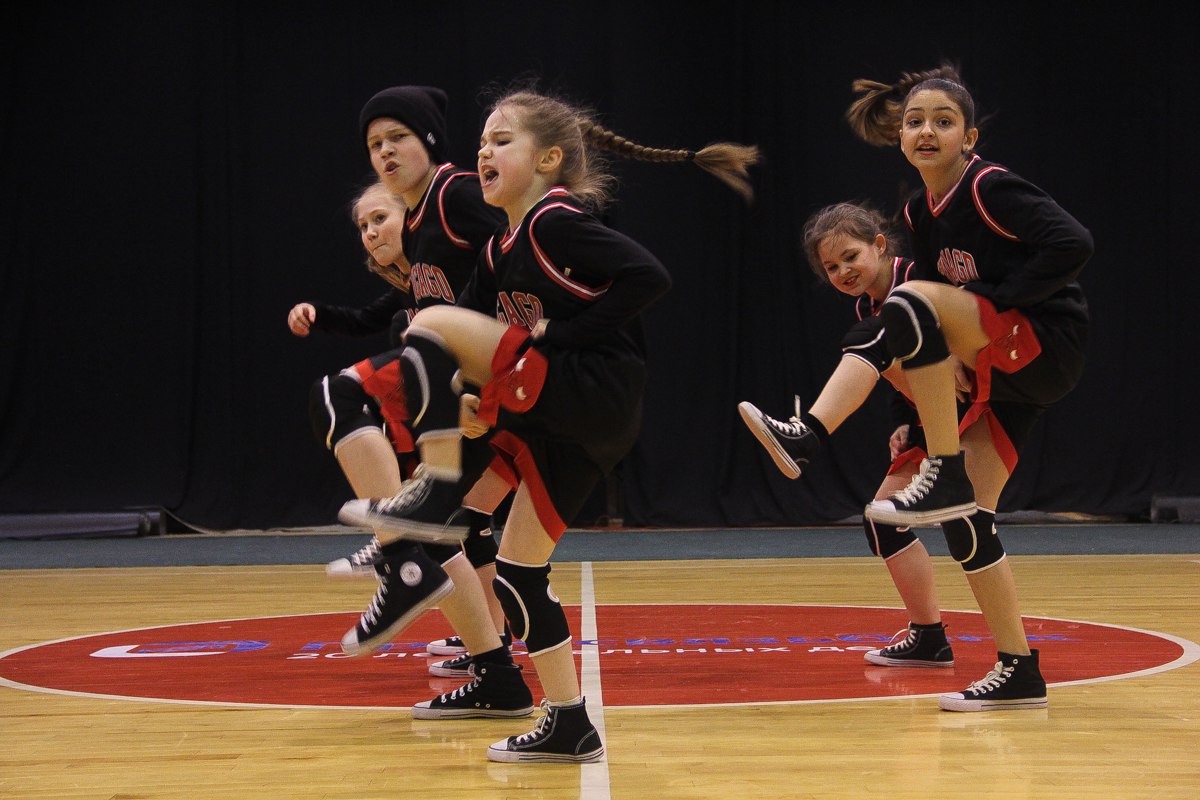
pixel 585 172
pixel 876 115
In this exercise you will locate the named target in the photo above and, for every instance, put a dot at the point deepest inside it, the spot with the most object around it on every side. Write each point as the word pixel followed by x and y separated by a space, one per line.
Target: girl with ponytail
pixel 550 327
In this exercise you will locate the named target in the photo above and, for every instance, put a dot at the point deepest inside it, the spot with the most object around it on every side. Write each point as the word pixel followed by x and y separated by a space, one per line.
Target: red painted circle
pixel 650 655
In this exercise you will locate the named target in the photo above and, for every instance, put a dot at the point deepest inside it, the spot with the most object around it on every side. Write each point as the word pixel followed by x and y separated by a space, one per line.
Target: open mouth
pixel 488 175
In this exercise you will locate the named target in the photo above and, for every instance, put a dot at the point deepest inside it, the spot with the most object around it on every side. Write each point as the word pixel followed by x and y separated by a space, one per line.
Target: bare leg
pixel 485 496
pixel 846 390
pixel 994 588
pixel 526 541
pixel 369 463
pixel 912 568
pixel 467 608
pixel 932 387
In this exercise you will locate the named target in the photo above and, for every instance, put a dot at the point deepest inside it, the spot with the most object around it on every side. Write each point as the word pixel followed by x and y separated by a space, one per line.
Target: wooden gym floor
pixel 1133 737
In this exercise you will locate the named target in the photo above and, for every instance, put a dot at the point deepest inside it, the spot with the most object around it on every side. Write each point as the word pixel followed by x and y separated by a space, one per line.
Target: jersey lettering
pixel 429 281
pixel 518 308
pixel 957 265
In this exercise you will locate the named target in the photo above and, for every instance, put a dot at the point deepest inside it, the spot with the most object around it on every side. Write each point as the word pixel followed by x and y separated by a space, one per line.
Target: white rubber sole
pixel 884 511
pixel 357 513
pixel 753 419
pixel 351 646
pixel 957 702
pixel 497 752
pixel 873 657
pixel 420 711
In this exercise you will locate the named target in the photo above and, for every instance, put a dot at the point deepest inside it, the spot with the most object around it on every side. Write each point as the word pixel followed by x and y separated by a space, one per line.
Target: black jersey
pixel 444 233
pixel 564 265
pixel 391 311
pixel 1004 239
pixel 867 306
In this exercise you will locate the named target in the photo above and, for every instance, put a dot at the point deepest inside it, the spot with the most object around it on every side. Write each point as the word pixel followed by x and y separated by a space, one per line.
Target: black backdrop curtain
pixel 176 176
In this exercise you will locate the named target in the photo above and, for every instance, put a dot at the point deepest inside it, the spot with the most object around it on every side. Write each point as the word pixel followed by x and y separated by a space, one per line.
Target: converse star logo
pixel 410 573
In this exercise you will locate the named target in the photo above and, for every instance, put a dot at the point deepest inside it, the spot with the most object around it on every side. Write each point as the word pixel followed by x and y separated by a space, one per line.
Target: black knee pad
pixel 973 541
pixel 886 541
pixel 429 384
pixel 534 612
pixel 337 407
pixel 866 341
pixel 442 553
pixel 480 545
pixel 911 329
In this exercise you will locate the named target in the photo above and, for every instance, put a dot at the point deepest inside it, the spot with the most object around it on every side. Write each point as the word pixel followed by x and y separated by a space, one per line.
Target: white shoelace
pixel 412 493
pixel 366 554
pixel 921 483
pixel 539 729
pixel 793 428
pixel 909 640
pixel 463 690
pixel 992 680
pixel 371 615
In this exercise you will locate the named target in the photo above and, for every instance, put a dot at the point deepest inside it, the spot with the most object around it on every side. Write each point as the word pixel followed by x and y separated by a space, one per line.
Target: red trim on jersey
pixel 873 306
pixel 517 454
pixel 454 238
pixel 416 215
pixel 510 235
pixel 991 222
pixel 574 287
pixel 487 252
pixel 940 206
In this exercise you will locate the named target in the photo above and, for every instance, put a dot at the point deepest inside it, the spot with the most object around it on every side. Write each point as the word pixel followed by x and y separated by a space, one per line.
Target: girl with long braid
pixel 550 327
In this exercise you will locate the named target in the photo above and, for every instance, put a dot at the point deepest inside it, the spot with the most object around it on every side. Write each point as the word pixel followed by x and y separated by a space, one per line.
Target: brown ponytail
pixel 875 116
pixel 727 161
pixel 555 122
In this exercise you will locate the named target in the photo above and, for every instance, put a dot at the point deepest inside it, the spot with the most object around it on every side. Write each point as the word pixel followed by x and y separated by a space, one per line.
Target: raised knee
pixel 337 408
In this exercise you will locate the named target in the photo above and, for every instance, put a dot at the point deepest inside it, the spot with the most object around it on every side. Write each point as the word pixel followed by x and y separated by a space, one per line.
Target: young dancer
pixel 392 310
pixel 847 245
pixel 550 328
pixel 1020 326
pixel 434 241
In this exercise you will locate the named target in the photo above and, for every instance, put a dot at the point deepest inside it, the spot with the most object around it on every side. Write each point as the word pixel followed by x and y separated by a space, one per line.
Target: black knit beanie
pixel 421 108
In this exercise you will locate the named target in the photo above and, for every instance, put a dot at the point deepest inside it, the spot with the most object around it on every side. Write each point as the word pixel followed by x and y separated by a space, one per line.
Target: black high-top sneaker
pixel 564 734
pixel 426 509
pixel 1015 683
pixel 453 645
pixel 940 491
pixel 410 583
pixel 359 564
pixel 497 690
pixel 790 444
pixel 922 646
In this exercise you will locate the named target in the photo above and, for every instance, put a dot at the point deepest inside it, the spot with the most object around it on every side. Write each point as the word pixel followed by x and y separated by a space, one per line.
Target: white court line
pixel 593 778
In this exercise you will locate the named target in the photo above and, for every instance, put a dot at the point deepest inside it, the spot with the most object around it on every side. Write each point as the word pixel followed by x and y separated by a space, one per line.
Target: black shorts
pixel 565 429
